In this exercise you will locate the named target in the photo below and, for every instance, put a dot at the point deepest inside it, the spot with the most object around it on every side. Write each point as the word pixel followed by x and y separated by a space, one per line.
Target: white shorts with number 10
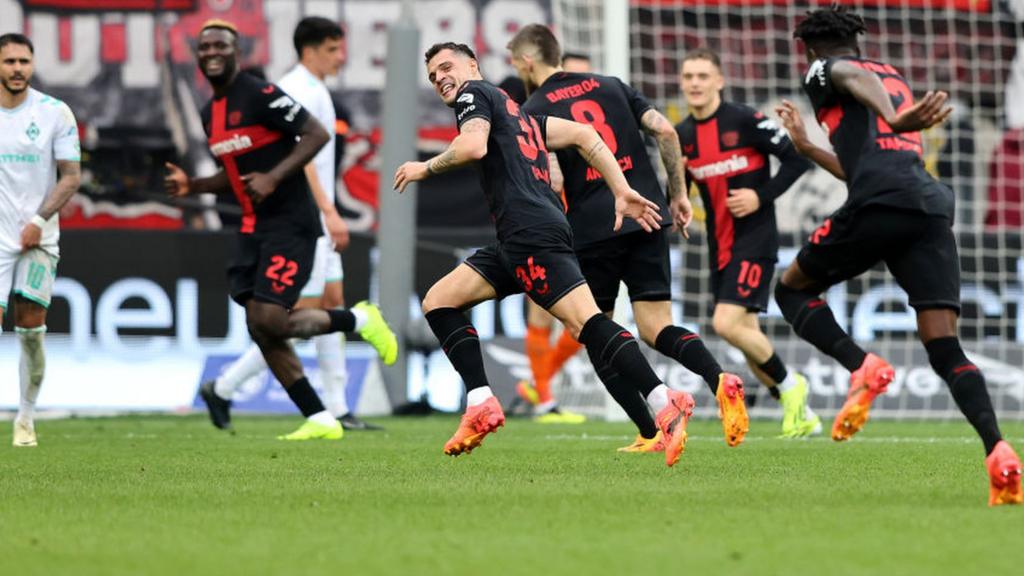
pixel 30 274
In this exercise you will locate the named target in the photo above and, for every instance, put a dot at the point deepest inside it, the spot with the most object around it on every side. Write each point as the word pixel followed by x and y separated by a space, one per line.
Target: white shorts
pixel 326 269
pixel 30 274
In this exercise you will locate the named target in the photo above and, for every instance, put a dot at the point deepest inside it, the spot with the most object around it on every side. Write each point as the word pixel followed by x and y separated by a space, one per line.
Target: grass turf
pixel 171 495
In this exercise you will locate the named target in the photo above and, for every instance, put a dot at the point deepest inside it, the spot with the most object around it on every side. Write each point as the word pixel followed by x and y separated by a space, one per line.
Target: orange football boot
pixel 732 409
pixel 642 444
pixel 476 423
pixel 866 382
pixel 1004 476
pixel 672 420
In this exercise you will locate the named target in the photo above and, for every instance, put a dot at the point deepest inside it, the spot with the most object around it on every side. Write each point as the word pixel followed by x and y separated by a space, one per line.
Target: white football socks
pixel 788 383
pixel 330 354
pixel 658 398
pixel 31 368
pixel 478 396
pixel 249 364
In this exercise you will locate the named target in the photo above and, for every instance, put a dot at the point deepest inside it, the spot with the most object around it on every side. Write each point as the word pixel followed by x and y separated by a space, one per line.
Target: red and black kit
pixel 727 151
pixel 251 129
pixel 534 250
pixel 896 212
pixel 607 257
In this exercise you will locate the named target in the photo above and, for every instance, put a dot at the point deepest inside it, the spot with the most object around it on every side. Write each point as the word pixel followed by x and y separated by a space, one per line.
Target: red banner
pixel 111 5
pixel 961 5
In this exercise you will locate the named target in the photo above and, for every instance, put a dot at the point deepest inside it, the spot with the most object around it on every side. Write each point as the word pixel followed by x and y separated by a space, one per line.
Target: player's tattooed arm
pixel 562 134
pixel 655 124
pixel 794 124
pixel 469 146
pixel 70 172
pixel 867 87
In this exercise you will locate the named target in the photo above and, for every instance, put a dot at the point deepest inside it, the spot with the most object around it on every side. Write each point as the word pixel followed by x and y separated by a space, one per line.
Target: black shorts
pixel 919 249
pixel 639 259
pixel 270 267
pixel 744 282
pixel 539 262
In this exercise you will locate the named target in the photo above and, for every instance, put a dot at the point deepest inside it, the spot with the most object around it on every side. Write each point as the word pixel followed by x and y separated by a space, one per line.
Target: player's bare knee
pixel 28 314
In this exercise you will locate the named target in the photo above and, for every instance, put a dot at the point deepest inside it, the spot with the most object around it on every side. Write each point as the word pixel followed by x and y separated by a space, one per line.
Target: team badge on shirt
pixel 32 132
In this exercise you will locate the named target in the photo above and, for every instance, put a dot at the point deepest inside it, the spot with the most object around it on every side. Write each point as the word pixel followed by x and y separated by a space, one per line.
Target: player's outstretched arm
pixel 70 176
pixel 469 146
pixel 312 137
pixel 794 124
pixel 177 184
pixel 562 134
pixel 867 87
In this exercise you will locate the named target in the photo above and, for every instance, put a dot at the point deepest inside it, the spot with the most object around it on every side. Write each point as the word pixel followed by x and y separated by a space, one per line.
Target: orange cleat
pixel 866 382
pixel 476 423
pixel 1004 472
pixel 642 444
pixel 672 420
pixel 732 409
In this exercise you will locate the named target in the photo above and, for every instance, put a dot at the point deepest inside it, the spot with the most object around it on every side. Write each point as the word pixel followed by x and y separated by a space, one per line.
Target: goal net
pixel 973 49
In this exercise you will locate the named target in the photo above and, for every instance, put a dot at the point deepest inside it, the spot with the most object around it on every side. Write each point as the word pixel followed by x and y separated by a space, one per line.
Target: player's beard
pixel 226 73
pixel 18 90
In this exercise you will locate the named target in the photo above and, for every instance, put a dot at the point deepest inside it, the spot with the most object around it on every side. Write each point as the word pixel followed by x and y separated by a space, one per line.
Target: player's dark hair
pixel 15 38
pixel 832 27
pixel 540 37
pixel 704 54
pixel 575 56
pixel 313 31
pixel 453 46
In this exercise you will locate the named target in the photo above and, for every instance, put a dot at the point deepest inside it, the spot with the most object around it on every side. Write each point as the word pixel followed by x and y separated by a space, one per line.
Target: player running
pixel 895 213
pixel 534 249
pixel 607 257
pixel 727 148
pixel 253 126
pixel 39 173
pixel 319 43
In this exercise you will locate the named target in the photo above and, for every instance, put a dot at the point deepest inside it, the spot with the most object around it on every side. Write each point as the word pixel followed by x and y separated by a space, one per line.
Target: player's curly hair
pixel 832 27
pixel 453 46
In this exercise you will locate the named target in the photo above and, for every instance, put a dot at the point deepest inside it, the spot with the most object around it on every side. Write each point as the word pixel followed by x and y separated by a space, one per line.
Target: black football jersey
pixel 252 129
pixel 515 174
pixel 729 150
pixel 881 166
pixel 614 110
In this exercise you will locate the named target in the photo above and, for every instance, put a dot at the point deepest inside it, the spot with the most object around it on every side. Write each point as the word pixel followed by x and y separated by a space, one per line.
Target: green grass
pixel 171 495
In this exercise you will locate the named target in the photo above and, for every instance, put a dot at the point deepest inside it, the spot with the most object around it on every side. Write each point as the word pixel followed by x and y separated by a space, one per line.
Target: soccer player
pixel 533 253
pixel 253 126
pixel 319 43
pixel 895 213
pixel 39 173
pixel 547 360
pixel 727 148
pixel 607 257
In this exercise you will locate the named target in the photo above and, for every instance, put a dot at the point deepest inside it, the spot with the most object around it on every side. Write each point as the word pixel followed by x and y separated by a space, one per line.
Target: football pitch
pixel 171 495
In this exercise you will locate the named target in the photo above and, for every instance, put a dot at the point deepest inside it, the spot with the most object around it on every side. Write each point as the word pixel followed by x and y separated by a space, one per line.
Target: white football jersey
pixel 33 137
pixel 311 92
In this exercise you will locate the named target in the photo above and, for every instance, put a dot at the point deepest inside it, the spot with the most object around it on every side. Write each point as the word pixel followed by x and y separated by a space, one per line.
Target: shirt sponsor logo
pixel 466 110
pixel 725 167
pixel 230 146
pixel 20 158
